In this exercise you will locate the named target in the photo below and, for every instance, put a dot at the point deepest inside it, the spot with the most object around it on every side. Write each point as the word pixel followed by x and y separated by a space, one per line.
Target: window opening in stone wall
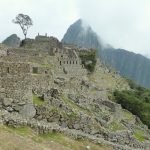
pixel 8 71
pixel 45 71
pixel 64 62
pixel 60 62
pixel 70 62
pixel 35 70
pixel 67 62
pixel 76 62
pixel 73 62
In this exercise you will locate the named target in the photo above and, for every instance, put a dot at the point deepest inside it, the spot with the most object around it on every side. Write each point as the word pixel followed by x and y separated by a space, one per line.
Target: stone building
pixel 43 43
pixel 34 66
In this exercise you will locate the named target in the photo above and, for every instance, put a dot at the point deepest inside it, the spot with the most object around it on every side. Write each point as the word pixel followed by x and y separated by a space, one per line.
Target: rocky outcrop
pixel 28 111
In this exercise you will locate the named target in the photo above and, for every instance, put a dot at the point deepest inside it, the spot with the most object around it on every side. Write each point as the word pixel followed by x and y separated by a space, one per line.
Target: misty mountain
pixel 81 36
pixel 129 64
pixel 12 41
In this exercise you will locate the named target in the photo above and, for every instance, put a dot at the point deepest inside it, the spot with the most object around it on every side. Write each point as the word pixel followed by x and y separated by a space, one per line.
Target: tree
pixel 24 21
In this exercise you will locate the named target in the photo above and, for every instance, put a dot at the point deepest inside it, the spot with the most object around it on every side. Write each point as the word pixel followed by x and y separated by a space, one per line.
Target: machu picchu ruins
pixel 45 85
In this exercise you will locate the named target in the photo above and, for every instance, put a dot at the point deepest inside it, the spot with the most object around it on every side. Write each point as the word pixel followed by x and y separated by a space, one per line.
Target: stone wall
pixel 7 68
pixel 41 83
pixel 15 86
pixel 3 50
pixel 42 43
pixel 23 52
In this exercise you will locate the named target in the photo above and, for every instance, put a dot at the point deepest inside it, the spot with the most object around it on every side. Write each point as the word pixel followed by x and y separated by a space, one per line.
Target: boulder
pixel 28 111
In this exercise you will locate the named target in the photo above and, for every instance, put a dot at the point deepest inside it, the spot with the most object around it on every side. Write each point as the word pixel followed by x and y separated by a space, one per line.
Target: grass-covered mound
pixel 137 100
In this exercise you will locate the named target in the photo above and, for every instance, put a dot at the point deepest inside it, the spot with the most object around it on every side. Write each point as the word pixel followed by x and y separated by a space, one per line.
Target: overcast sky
pixel 121 23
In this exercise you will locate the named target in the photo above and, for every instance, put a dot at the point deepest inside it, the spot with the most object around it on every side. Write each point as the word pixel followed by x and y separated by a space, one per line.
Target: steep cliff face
pixel 130 65
pixel 81 36
pixel 12 41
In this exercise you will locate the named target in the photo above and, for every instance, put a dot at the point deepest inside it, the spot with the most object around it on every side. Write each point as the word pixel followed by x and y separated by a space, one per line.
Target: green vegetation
pixel 128 116
pixel 70 143
pixel 37 100
pixel 22 130
pixel 89 60
pixel 53 109
pixel 26 138
pixel 75 106
pixel 137 101
pixel 72 115
pixel 46 65
pixel 139 135
pixel 115 126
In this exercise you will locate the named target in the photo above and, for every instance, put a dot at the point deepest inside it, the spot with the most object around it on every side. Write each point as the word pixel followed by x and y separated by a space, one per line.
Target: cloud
pixel 121 23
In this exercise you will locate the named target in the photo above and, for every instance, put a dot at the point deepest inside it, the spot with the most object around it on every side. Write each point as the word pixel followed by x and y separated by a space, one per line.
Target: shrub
pixel 89 60
pixel 137 101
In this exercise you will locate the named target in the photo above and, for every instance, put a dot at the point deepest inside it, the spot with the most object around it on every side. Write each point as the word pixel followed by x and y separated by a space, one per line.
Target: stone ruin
pixel 32 68
pixel 42 67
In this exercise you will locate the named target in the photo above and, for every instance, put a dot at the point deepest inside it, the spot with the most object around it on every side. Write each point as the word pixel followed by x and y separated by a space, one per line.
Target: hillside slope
pixel 130 65
pixel 25 138
pixel 55 95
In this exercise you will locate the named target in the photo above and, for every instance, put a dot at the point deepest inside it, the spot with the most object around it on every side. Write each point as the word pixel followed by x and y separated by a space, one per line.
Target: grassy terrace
pixel 115 126
pixel 25 138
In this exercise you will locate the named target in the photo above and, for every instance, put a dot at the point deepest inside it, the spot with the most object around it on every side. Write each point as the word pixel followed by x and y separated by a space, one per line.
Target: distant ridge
pixel 12 41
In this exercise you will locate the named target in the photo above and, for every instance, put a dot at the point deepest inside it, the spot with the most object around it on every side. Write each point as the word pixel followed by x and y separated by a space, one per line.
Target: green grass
pixel 127 115
pixel 75 106
pixel 139 135
pixel 37 100
pixel 22 130
pixel 46 65
pixel 52 136
pixel 44 140
pixel 70 143
pixel 72 115
pixel 53 109
pixel 115 126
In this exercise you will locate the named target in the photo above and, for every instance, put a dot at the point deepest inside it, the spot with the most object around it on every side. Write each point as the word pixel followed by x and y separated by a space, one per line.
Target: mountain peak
pixel 82 35
pixel 12 41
